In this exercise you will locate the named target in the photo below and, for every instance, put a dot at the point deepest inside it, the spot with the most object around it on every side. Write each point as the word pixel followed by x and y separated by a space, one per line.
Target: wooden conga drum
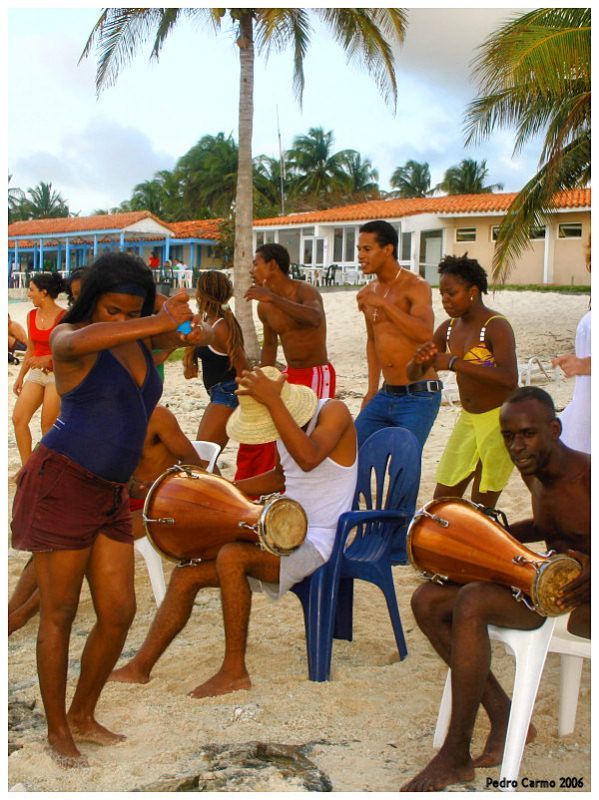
pixel 452 539
pixel 190 514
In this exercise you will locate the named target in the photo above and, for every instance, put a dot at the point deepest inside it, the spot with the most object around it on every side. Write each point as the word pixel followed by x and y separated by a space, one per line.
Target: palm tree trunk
pixel 242 258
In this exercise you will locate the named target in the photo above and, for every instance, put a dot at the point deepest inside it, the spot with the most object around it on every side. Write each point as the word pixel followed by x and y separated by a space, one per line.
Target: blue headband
pixel 129 288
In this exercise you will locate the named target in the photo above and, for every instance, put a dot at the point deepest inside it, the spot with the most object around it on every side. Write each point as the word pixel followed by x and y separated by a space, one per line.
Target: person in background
pixel 398 312
pixel 291 311
pixel 478 345
pixel 35 385
pixel 222 360
pixel 576 417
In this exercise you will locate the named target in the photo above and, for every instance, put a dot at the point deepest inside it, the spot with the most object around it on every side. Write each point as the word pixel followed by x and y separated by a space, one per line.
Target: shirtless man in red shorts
pixel 290 311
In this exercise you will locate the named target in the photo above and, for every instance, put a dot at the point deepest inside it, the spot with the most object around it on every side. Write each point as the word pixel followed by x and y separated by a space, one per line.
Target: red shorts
pixel 136 503
pixel 59 505
pixel 255 459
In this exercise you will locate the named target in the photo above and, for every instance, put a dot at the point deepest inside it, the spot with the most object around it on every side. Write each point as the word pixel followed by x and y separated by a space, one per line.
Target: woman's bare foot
pixel 129 674
pixel 221 683
pixel 89 730
pixel 492 754
pixel 440 772
pixel 62 751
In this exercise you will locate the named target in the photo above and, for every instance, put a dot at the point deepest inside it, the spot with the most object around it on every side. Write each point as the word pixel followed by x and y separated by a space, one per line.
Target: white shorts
pixel 37 375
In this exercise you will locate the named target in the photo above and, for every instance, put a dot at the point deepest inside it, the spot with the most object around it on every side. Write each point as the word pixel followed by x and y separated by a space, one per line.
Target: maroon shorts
pixel 59 505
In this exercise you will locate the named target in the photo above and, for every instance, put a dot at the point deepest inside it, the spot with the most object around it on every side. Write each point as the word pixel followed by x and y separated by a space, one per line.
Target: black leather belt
pixel 411 388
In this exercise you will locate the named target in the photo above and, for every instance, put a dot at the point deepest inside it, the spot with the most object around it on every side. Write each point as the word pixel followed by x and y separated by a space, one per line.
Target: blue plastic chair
pixel 386 491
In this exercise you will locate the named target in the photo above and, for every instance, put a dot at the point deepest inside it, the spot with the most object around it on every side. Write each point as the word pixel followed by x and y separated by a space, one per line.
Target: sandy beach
pixel 370 728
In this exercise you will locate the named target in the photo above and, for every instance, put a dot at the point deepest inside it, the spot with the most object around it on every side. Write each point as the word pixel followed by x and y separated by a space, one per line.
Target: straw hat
pixel 251 422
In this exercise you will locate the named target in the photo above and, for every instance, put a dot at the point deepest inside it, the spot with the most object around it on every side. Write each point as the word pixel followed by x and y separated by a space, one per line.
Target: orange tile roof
pixel 403 207
pixel 196 229
pixel 98 222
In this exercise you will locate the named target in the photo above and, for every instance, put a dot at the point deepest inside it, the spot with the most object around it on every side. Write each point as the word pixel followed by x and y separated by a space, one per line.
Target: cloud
pixel 105 157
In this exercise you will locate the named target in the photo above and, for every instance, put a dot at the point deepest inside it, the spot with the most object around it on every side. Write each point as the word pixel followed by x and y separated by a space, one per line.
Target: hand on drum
pixel 577 592
pixel 258 386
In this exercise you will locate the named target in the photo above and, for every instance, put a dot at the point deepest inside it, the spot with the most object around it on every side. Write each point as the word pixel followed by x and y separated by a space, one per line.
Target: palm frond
pixel 369 35
pixel 276 28
pixel 530 208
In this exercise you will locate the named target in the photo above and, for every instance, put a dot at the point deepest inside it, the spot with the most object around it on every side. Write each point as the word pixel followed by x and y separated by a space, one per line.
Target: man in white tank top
pixel 317 466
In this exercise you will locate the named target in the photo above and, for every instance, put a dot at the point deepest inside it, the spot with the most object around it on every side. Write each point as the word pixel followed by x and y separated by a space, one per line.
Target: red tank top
pixel 40 338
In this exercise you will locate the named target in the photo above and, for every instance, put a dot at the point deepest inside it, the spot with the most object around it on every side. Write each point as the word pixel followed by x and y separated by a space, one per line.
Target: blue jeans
pixel 224 394
pixel 416 412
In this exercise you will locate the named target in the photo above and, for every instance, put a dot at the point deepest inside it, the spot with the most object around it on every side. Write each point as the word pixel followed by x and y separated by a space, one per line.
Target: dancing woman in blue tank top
pixel 71 505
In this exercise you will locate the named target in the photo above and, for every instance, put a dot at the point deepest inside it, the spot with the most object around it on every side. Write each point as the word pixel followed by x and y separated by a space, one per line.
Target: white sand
pixel 373 722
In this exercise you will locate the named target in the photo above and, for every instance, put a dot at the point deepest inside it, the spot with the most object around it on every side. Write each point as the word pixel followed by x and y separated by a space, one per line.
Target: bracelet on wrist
pixel 451 365
pixel 167 312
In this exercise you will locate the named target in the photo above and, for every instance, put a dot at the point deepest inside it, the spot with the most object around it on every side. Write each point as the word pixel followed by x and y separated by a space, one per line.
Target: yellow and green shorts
pixel 476 437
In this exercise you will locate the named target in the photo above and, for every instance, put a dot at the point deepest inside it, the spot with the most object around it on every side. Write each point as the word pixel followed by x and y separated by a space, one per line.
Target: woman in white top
pixel 576 417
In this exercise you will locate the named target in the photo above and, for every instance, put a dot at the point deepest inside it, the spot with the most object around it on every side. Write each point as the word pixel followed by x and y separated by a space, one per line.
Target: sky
pixel 95 149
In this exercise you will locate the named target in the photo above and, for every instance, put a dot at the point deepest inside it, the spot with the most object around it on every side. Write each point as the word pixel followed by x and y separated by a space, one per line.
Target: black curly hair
pixel 467 269
pixel 106 274
pixel 50 282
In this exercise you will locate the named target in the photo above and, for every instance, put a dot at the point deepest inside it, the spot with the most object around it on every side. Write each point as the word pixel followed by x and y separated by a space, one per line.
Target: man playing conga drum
pixel 455 618
pixel 317 466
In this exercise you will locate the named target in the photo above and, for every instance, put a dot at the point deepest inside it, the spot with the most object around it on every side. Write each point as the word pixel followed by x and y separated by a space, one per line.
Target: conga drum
pixel 190 514
pixel 452 539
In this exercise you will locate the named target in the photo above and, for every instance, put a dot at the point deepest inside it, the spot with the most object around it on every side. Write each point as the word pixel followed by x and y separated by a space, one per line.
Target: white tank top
pixel 324 493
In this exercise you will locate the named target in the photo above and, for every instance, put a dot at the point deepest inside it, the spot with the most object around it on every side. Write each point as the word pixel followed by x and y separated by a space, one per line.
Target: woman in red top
pixel 38 389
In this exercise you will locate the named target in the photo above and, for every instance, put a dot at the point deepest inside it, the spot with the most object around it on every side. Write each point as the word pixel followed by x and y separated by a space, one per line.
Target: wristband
pixel 451 365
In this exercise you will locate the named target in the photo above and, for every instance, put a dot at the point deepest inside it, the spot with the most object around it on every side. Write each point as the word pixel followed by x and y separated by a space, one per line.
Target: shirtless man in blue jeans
pixel 397 307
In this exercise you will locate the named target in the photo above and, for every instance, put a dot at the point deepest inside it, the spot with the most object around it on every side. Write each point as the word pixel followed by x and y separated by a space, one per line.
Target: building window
pixel 350 244
pixel 338 244
pixel 537 232
pixel 307 231
pixel 465 235
pixel 570 230
pixel 406 247
pixel 259 239
pixel 344 244
pixel 308 251
pixel 494 232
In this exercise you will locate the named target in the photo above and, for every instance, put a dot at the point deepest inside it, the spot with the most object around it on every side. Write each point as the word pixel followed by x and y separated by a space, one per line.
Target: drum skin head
pixel 548 584
pixel 283 526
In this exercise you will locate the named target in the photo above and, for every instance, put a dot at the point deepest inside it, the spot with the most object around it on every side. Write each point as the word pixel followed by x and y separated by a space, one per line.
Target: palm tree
pixel 534 75
pixel 40 202
pixel 369 34
pixel 412 180
pixel 16 198
pixel 147 196
pixel 317 172
pixel 208 174
pixel 362 178
pixel 467 177
pixel 271 185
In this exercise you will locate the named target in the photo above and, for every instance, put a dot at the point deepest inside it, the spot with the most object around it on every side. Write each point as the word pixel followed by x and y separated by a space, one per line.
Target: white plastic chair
pixel 530 650
pixel 208 451
pixel 528 369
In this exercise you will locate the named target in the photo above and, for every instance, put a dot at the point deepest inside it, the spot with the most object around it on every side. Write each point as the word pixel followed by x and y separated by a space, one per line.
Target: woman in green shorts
pixel 478 345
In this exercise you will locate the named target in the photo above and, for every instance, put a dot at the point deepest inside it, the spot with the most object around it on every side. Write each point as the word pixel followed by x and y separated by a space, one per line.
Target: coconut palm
pixel 361 177
pixel 368 34
pixel 208 176
pixel 317 172
pixel 412 180
pixel 39 202
pixel 16 198
pixel 467 177
pixel 534 75
pixel 147 196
